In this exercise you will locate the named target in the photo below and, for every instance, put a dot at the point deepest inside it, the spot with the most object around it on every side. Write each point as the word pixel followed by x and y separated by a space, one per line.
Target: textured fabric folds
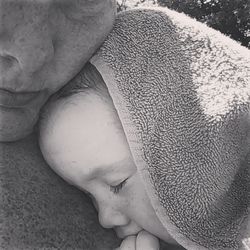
pixel 182 92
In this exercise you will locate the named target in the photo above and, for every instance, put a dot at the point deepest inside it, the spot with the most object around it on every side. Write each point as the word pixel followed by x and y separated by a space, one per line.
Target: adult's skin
pixel 43 44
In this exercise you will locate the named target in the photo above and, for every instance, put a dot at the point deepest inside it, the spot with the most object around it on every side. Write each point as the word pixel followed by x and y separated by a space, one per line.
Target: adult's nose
pixel 110 217
pixel 25 40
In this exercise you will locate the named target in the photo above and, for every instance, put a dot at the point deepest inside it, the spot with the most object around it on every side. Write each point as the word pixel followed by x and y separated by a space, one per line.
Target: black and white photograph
pixel 124 124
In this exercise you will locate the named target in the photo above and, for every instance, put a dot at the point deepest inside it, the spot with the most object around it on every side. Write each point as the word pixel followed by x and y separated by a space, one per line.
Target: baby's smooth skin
pixel 82 139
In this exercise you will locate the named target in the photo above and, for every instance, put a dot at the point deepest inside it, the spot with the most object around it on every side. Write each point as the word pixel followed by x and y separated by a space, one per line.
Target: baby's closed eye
pixel 116 189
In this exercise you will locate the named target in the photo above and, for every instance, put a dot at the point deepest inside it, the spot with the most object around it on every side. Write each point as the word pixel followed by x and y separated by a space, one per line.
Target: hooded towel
pixel 182 92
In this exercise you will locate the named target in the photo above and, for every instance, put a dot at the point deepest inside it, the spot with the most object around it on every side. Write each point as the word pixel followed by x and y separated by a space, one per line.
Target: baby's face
pixel 82 140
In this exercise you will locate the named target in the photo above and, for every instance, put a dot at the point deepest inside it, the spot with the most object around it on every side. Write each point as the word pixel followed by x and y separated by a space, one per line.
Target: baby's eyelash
pixel 116 189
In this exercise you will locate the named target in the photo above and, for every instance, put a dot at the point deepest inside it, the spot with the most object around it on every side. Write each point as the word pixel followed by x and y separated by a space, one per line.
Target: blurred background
pixel 231 17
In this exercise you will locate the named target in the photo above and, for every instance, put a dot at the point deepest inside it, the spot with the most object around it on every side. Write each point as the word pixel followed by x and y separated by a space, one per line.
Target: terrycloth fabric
pixel 38 210
pixel 182 92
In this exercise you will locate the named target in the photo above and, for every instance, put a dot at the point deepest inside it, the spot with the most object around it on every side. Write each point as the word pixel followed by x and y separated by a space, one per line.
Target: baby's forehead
pixel 86 109
pixel 75 104
pixel 79 127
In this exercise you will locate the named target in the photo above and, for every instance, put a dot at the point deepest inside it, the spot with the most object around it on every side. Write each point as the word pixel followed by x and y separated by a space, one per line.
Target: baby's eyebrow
pixel 110 168
pixel 91 175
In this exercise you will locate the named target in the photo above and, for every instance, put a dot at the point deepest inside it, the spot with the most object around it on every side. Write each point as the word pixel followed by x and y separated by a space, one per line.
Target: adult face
pixel 82 140
pixel 43 44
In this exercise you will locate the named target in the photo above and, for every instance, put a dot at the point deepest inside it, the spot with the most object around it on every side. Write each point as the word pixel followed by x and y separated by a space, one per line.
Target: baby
pixel 174 158
pixel 82 139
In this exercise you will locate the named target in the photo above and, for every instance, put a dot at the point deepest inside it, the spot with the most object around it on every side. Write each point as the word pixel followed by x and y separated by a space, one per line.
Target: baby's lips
pixel 123 232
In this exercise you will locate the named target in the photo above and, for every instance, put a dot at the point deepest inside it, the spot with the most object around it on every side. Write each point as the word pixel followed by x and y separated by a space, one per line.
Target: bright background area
pixel 231 17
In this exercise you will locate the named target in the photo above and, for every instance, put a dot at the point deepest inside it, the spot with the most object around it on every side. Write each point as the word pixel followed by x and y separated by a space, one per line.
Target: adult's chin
pixel 16 123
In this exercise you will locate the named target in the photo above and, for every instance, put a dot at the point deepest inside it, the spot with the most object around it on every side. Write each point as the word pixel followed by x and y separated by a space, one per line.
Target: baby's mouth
pixel 123 232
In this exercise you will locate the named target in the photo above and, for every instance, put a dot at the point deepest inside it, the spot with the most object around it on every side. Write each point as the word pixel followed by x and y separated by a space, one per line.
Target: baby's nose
pixel 110 217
